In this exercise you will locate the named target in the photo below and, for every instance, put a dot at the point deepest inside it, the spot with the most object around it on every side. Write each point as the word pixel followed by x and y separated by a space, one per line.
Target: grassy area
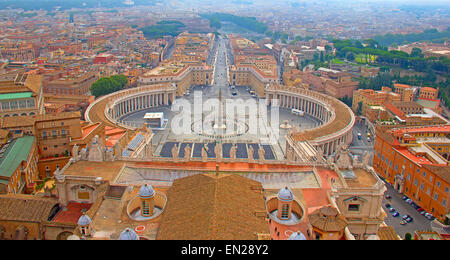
pixel 337 61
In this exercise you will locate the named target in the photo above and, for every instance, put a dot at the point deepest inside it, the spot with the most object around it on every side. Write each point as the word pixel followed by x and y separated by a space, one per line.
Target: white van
pixel 297 112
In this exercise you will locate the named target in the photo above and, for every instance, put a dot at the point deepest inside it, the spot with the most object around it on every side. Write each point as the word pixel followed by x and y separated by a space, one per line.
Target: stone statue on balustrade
pixel 205 153
pixel 233 152
pixel 251 154
pixel 319 155
pixel 366 158
pixel 218 150
pixel 109 155
pixel 96 150
pixel 149 150
pixel 261 153
pixel 75 154
pixel 343 160
pixel 84 154
pixel 187 152
pixel 290 154
pixel 175 153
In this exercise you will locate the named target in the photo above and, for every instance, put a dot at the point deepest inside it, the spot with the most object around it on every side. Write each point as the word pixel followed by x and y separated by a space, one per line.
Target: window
pixel 145 208
pixel 353 207
pixel 436 196
pixel 424 174
pixel 415 182
pixel 438 184
pixel 421 186
pixel 444 203
pixel 446 189
pixel 285 211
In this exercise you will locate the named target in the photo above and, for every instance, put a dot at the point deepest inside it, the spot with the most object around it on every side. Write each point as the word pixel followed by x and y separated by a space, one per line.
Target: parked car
pixel 404 198
pixel 429 216
pixel 395 214
pixel 409 219
pixel 420 209
pixel 423 213
pixel 387 205
pixel 391 210
pixel 388 197
pixel 409 201
pixel 403 222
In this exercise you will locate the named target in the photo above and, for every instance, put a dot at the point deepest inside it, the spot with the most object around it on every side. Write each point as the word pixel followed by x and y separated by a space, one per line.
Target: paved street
pixel 419 223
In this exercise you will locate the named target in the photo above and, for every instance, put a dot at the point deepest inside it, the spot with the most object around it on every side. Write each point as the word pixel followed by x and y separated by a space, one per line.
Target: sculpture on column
pixel 175 152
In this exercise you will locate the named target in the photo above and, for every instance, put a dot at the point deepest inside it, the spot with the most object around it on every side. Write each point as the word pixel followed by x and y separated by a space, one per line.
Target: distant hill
pixel 427 35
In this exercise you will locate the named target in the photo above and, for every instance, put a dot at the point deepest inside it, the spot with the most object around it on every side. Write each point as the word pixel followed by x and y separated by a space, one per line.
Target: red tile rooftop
pixel 71 213
pixel 440 129
pixel 88 129
pixel 416 159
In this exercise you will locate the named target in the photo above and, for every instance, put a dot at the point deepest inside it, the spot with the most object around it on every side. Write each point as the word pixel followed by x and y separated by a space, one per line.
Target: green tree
pixel 416 52
pixel 359 109
pixel 350 56
pixel 108 85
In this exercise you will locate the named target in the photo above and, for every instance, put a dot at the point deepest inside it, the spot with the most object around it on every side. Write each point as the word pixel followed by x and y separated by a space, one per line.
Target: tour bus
pixel 297 112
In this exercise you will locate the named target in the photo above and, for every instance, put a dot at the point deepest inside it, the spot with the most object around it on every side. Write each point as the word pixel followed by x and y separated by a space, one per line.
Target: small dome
pixel 128 234
pixel 146 191
pixel 297 236
pixel 285 194
pixel 84 220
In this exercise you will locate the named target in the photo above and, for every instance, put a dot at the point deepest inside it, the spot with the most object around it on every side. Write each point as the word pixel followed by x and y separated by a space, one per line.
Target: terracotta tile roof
pixel 72 213
pixel 34 83
pixel 25 208
pixel 18 121
pixel 387 233
pixel 207 207
pixel 342 119
pixel 327 219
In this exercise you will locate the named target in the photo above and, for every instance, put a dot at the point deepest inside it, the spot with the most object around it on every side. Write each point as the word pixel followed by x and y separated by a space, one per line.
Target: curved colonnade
pixel 337 120
pixel 112 107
